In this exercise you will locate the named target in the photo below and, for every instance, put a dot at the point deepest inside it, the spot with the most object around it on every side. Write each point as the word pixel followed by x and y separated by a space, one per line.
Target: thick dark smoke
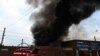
pixel 66 12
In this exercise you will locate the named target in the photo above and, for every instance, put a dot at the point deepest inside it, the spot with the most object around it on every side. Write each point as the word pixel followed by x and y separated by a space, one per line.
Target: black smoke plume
pixel 59 16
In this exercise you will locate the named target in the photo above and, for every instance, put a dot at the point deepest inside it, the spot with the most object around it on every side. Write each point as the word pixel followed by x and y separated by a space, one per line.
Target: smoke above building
pixel 76 32
pixel 53 18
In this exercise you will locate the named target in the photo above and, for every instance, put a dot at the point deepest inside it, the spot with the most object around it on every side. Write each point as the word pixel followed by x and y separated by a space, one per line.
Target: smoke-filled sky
pixel 14 15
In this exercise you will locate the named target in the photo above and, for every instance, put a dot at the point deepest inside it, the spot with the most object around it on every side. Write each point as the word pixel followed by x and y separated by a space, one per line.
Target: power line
pixel 18 36
pixel 18 33
pixel 19 19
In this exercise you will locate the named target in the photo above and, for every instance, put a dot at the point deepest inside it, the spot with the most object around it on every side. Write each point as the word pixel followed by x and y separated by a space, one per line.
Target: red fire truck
pixel 25 52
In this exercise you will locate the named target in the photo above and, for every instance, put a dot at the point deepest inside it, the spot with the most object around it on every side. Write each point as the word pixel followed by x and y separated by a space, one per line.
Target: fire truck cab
pixel 24 52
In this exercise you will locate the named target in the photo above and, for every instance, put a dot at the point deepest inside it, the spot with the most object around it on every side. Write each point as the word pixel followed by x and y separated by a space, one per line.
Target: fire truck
pixel 25 52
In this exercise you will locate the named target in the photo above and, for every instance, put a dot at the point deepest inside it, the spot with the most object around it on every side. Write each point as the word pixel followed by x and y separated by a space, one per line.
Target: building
pixel 68 48
pixel 83 47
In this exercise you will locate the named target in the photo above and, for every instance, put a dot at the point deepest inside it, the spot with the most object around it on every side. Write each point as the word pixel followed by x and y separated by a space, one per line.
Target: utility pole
pixel 3 36
pixel 1 44
pixel 95 36
pixel 22 42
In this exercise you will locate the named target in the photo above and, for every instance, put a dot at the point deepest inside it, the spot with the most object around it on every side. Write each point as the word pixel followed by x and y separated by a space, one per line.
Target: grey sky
pixel 14 15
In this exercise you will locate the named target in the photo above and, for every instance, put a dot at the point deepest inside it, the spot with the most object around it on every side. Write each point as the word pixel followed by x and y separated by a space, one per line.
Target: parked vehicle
pixel 25 52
